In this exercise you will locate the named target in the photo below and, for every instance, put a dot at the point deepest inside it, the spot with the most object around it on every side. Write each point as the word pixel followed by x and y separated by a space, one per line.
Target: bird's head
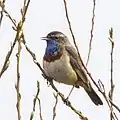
pixel 56 37
pixel 56 42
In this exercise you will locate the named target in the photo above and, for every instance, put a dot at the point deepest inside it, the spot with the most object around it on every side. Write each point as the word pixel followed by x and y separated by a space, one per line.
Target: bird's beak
pixel 44 38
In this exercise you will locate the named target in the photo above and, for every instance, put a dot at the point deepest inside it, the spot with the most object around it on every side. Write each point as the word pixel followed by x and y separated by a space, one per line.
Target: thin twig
pixel 24 10
pixel 18 79
pixel 54 108
pixel 70 28
pixel 2 5
pixel 40 109
pixel 111 81
pixel 34 100
pixel 91 32
pixel 10 52
pixel 6 62
pixel 11 19
pixel 116 116
pixel 115 106
pixel 18 38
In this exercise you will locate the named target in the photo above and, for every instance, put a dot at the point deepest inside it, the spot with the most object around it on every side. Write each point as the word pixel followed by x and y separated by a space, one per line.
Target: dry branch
pixel 54 108
pixel 17 86
pixel 91 32
pixel 40 109
pixel 34 101
pixel 2 5
pixel 111 72
pixel 70 28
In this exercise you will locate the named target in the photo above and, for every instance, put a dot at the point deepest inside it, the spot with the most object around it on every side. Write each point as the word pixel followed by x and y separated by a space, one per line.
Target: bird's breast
pixel 61 70
pixel 52 58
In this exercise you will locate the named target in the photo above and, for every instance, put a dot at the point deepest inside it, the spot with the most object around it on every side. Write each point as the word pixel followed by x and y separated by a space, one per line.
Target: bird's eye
pixel 55 37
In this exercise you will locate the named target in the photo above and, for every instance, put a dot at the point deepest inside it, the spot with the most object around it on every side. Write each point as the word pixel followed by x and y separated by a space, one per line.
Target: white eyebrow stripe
pixel 57 35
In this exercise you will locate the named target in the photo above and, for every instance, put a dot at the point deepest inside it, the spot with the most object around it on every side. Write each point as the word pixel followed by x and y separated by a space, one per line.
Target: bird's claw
pixel 66 101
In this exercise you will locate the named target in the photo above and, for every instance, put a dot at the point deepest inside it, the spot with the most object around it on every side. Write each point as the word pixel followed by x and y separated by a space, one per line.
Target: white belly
pixel 61 70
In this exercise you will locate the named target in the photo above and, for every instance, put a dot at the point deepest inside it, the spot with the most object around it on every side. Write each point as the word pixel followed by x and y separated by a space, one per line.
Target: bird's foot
pixel 70 92
pixel 66 101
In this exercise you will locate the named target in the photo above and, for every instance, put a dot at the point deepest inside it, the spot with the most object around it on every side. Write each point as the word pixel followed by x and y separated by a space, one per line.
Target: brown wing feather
pixel 77 66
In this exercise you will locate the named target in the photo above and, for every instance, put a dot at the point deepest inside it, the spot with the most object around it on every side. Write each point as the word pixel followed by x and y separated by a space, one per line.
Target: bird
pixel 62 63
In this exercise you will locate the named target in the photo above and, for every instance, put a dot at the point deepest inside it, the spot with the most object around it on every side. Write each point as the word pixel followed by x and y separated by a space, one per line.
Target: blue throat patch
pixel 52 48
pixel 53 51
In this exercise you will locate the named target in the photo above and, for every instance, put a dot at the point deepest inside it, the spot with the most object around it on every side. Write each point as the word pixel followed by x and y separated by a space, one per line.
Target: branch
pixel 54 108
pixel 40 109
pixel 24 9
pixel 11 19
pixel 7 62
pixel 2 5
pixel 70 28
pixel 91 32
pixel 18 79
pixel 115 106
pixel 34 101
pixel 111 81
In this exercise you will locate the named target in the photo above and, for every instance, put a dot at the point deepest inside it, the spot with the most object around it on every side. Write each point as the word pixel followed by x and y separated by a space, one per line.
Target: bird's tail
pixel 94 97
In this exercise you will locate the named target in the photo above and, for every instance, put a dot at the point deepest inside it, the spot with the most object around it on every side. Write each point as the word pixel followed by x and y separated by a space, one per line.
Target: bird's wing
pixel 76 64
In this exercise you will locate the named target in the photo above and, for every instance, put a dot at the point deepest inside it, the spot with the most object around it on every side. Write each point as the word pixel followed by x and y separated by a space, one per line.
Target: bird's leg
pixel 66 101
pixel 70 92
pixel 76 85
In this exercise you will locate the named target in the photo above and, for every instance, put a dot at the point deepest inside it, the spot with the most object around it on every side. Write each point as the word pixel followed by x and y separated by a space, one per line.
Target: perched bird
pixel 61 62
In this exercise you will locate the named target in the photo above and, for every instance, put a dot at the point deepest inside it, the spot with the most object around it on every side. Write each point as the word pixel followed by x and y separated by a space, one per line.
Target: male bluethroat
pixel 61 62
